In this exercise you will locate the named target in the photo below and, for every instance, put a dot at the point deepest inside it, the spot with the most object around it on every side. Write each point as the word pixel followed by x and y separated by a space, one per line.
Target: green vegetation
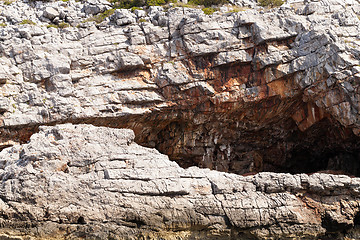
pixel 60 25
pixel 209 10
pixel 3 24
pixel 156 2
pixel 236 9
pixel 136 4
pixel 63 25
pixel 101 16
pixel 27 21
pixel 271 3
pixel 7 2
pixel 139 4
pixel 188 5
pixel 128 3
pixel 52 26
pixel 207 3
pixel 135 8
pixel 142 20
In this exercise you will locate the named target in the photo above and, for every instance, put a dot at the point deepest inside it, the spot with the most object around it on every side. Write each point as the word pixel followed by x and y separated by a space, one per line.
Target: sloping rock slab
pixel 80 181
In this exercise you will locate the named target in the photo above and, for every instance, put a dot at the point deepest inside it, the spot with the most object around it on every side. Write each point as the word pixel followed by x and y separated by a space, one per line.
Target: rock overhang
pixel 242 92
pixel 96 182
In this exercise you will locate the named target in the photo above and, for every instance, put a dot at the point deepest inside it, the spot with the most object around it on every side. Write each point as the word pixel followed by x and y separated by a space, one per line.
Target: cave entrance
pixel 242 149
pixel 328 161
pixel 325 147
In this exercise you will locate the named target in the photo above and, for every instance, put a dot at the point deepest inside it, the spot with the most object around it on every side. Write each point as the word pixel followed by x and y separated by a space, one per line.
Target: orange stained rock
pixel 316 209
pixel 282 88
pixel 308 115
pixel 232 84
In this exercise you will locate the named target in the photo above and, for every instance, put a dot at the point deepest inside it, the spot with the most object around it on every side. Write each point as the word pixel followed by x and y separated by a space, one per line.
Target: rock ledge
pixel 80 181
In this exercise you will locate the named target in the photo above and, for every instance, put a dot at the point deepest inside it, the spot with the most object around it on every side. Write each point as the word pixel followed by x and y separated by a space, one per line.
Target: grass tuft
pixel 101 16
pixel 209 10
pixel 27 21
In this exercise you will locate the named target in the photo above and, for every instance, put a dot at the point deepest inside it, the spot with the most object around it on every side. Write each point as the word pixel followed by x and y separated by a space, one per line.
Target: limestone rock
pixel 231 57
pixel 76 179
pixel 129 61
pixel 256 90
pixel 51 13
pixel 94 7
pixel 215 88
pixel 124 17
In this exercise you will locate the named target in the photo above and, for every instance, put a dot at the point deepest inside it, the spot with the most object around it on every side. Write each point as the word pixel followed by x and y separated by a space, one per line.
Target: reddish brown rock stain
pixel 247 112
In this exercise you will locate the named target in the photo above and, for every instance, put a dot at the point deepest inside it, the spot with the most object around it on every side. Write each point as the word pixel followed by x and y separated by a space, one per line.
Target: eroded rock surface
pixel 80 181
pixel 256 90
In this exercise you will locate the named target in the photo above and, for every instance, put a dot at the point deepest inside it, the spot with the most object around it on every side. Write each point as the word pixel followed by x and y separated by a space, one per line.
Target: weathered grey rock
pixel 94 7
pixel 124 17
pixel 231 57
pixel 188 62
pixel 129 61
pixel 51 13
pixel 71 179
pixel 243 92
pixel 4 74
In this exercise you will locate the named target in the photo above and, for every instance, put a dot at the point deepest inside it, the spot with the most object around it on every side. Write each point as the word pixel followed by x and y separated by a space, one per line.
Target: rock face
pixel 258 90
pixel 239 92
pixel 81 181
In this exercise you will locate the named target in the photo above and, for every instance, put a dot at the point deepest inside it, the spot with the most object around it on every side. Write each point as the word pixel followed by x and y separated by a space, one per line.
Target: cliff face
pixel 81 181
pixel 242 92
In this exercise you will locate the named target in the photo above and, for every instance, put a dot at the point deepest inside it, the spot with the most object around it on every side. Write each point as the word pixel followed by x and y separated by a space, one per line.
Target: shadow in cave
pixel 329 161
pixel 325 147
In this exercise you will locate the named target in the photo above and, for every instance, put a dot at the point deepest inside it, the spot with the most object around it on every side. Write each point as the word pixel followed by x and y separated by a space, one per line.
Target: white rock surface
pixel 79 179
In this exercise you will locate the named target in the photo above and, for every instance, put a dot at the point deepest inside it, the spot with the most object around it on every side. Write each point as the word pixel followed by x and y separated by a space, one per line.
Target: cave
pixel 249 148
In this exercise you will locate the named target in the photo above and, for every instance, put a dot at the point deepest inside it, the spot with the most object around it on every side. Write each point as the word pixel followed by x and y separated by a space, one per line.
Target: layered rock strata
pixel 81 181
pixel 241 92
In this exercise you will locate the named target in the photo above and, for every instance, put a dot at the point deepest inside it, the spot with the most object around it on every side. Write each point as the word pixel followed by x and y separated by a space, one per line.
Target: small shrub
pixel 101 16
pixel 52 26
pixel 142 20
pixel 3 24
pixel 128 3
pixel 236 9
pixel 207 3
pixel 27 21
pixel 271 3
pixel 187 5
pixel 136 4
pixel 7 2
pixel 63 25
pixel 135 8
pixel 155 2
pixel 209 11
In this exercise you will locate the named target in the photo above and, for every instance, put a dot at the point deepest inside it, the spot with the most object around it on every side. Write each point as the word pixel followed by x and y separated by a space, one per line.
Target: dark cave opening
pixel 324 147
pixel 304 161
pixel 330 161
pixel 226 142
pixel 357 219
